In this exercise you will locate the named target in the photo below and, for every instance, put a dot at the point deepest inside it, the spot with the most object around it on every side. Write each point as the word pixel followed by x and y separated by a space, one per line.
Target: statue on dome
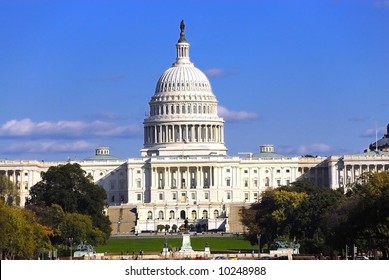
pixel 182 33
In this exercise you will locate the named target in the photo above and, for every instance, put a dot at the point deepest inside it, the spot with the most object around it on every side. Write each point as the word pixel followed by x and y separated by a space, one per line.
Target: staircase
pixel 123 218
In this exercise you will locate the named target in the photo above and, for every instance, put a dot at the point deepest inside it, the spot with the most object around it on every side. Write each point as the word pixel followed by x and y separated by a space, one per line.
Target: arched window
pixel 149 215
pixel 160 215
pixel 171 214
pixel 205 214
pixel 194 215
pixel 216 214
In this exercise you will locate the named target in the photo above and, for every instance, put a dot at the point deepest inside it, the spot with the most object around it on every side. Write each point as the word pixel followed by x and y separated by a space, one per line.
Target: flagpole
pixel 376 139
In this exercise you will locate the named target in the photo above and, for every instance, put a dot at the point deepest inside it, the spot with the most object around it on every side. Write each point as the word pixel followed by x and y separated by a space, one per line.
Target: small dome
pixel 183 78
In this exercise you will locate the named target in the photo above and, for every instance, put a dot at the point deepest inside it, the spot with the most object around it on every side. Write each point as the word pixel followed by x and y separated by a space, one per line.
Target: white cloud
pixel 50 146
pixel 28 128
pixel 218 72
pixel 371 132
pixel 359 118
pixel 381 4
pixel 313 149
pixel 229 115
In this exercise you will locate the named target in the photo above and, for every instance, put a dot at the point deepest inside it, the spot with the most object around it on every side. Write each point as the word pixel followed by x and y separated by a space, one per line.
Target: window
pixel 246 183
pixel 174 196
pixel 161 184
pixel 216 214
pixel 205 214
pixel 228 195
pixel 139 197
pixel 206 196
pixel 255 171
pixel 228 170
pixel 171 214
pixel 267 181
pixel 149 215
pixel 138 171
pixel 246 196
pixel 287 171
pixel 160 196
pixel 279 182
pixel 174 183
pixel 193 195
pixel 255 183
pixel 255 196
pixel 193 183
pixel 160 215
pixel 246 171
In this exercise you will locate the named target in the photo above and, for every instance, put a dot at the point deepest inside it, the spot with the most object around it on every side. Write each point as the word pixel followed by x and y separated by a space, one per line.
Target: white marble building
pixel 184 171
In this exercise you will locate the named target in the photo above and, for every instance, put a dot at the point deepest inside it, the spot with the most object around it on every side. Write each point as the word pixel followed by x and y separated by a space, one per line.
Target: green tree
pixel 366 219
pixel 272 217
pixel 69 187
pixel 293 212
pixel 9 191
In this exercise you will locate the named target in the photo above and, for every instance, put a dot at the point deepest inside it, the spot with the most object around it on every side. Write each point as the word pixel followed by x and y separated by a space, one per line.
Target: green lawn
pixel 154 244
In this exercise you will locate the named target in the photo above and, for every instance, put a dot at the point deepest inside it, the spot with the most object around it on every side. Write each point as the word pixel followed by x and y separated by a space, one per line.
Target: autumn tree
pixel 21 236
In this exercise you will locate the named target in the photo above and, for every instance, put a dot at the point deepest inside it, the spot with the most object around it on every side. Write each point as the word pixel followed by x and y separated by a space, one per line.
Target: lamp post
pixel 70 239
pixel 165 246
pixel 259 245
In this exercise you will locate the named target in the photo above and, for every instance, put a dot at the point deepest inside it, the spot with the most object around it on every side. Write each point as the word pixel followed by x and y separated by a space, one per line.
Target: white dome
pixel 183 78
pixel 183 110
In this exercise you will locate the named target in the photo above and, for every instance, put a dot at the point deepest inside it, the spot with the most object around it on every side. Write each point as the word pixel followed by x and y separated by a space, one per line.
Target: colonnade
pixel 183 133
pixel 351 172
pixel 183 177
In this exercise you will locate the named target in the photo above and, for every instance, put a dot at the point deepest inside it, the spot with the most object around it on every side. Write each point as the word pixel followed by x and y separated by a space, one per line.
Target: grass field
pixel 154 244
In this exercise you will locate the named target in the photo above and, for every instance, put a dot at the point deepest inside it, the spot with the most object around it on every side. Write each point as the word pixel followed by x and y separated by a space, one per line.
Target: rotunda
pixel 183 119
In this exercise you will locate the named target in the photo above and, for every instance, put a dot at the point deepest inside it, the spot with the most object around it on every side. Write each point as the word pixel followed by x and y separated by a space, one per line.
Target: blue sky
pixel 310 77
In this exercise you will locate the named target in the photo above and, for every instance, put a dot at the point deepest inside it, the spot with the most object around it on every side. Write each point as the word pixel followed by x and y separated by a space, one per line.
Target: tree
pixel 21 236
pixel 69 187
pixel 366 222
pixel 9 192
pixel 289 213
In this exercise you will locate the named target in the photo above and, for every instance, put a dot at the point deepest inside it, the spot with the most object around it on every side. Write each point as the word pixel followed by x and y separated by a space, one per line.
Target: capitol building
pixel 184 170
